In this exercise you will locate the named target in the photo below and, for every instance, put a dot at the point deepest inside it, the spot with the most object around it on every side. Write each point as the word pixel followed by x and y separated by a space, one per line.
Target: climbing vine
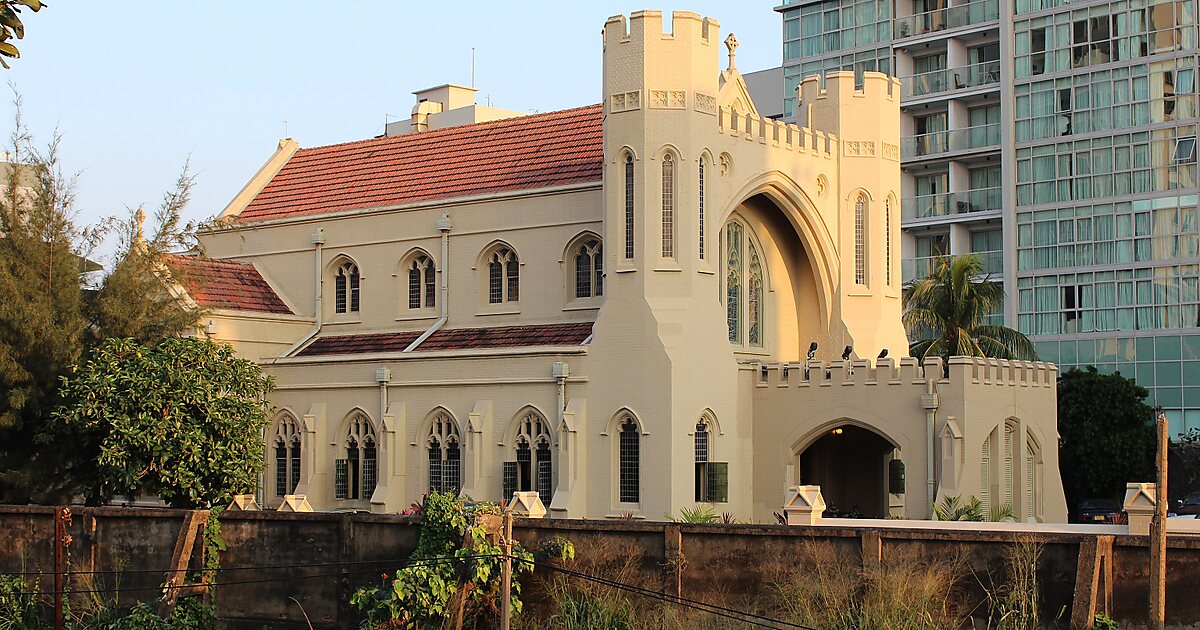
pixel 455 572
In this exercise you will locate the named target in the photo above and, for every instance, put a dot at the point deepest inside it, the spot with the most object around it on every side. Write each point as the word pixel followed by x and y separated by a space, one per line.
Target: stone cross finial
pixel 731 43
pixel 139 221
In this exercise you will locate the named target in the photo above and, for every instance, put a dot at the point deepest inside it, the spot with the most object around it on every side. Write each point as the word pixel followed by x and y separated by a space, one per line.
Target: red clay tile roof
pixel 454 339
pixel 227 284
pixel 535 151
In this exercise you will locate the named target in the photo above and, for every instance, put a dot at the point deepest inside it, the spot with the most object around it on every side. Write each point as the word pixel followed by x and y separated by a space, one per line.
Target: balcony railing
pixel 937 142
pixel 942 19
pixel 962 78
pixel 915 268
pixel 942 204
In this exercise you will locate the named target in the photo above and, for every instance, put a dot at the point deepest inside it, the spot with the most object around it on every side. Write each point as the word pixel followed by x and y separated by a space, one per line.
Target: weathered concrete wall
pixel 320 558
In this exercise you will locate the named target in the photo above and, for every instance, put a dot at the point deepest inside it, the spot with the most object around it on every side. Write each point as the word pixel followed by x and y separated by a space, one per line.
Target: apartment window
pixel 504 276
pixel 445 459
pixel 628 206
pixel 712 478
pixel 355 475
pixel 287 455
pixel 985 476
pixel 668 206
pixel 1185 150
pixel 589 270
pixel 860 240
pixel 630 462
pixel 422 283
pixel 345 288
pixel 533 466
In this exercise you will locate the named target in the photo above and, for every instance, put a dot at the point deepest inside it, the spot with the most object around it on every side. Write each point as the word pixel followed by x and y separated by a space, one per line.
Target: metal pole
pixel 62 516
pixel 1158 534
pixel 506 573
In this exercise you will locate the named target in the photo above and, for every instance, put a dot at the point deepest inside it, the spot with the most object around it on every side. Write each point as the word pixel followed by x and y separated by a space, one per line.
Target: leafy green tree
pixel 11 26
pixel 946 314
pixel 41 325
pixel 182 419
pixel 49 317
pixel 1106 438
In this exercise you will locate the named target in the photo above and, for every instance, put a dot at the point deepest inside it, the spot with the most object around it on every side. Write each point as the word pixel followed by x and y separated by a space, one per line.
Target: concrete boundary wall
pixel 729 564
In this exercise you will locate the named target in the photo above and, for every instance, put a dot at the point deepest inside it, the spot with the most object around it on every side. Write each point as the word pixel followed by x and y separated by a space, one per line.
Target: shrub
pixel 18 605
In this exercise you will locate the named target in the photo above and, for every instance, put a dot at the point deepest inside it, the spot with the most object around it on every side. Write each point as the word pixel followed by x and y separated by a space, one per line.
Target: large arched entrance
pixel 851 464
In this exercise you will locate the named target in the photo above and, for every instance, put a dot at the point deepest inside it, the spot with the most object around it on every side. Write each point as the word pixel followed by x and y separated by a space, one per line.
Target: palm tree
pixel 945 314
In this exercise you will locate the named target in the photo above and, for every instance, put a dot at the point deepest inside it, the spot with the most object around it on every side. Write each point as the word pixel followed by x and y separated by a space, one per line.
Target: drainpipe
pixel 561 372
pixel 929 401
pixel 318 241
pixel 443 225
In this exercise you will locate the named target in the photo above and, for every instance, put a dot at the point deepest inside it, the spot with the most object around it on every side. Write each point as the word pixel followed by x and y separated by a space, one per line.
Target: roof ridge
pixel 445 131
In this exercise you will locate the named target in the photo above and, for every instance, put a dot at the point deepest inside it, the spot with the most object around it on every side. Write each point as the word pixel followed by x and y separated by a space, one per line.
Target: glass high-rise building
pixel 1057 140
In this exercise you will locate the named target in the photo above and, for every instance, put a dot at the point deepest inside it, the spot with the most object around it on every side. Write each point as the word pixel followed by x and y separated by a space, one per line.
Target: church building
pixel 634 307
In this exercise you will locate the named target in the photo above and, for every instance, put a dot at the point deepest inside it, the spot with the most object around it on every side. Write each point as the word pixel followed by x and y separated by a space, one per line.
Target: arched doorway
pixel 851 464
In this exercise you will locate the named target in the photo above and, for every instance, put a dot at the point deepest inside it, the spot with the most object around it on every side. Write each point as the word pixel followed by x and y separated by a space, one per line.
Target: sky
pixel 137 90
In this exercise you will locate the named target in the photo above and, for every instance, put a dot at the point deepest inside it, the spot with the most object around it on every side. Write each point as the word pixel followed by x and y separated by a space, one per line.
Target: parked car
pixel 1099 511
pixel 1190 505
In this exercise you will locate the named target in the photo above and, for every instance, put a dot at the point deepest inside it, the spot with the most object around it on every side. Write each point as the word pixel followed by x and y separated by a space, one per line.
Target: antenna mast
pixel 472 66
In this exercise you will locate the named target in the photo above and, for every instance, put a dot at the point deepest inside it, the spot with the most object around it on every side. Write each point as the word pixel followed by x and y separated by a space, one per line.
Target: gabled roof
pixel 226 284
pixel 527 152
pixel 454 339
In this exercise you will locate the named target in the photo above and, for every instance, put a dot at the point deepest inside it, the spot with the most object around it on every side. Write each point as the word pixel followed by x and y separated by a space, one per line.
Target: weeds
pixel 903 593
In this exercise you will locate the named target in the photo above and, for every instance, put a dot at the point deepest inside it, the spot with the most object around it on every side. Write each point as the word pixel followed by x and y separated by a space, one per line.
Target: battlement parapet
pixel 841 85
pixel 754 128
pixel 686 26
pixel 908 372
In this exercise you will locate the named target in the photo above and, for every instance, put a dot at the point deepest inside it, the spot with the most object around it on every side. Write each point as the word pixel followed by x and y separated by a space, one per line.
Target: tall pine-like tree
pixel 41 323
pixel 49 319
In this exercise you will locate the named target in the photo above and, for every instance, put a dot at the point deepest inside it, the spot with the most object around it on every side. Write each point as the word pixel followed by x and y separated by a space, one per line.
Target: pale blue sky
pixel 136 89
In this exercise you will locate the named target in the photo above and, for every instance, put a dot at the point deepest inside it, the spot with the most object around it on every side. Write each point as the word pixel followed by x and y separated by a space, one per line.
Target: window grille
pixel 545 486
pixel 733 280
pixel 628 206
pixel 445 465
pixel 860 240
pixel 345 289
pixel 340 477
pixel 422 283
pixel 435 466
pixel 701 456
pixel 985 476
pixel 287 455
pixel 452 471
pixel 495 285
pixel 754 299
pixel 414 285
pixel 281 470
pixel 701 218
pixel 513 274
pixel 353 469
pixel 630 462
pixel 717 482
pixel 369 470
pixel 294 479
pixel 589 272
pixel 533 468
pixel 509 480
pixel 583 274
pixel 430 284
pixel 668 207
pixel 1009 457
pixel 887 240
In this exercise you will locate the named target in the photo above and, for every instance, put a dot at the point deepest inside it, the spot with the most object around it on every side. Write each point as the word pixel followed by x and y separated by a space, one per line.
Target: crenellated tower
pixel 865 119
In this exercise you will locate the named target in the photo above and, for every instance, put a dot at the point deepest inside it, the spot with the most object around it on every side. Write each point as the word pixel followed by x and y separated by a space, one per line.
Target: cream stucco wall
pixel 659 352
